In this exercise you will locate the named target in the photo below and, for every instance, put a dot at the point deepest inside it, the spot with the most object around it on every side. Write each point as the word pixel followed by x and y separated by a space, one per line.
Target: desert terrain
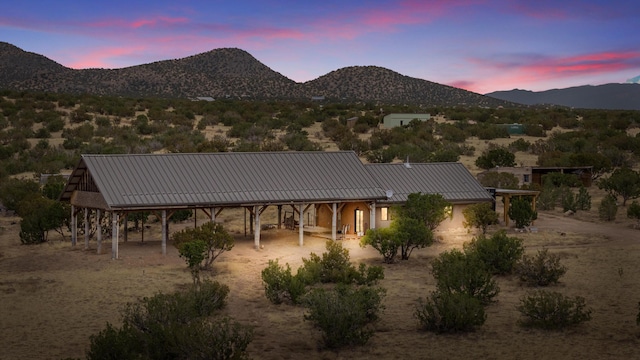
pixel 54 296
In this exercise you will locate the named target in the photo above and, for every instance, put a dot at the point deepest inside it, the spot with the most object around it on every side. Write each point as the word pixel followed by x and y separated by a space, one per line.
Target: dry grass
pixel 53 297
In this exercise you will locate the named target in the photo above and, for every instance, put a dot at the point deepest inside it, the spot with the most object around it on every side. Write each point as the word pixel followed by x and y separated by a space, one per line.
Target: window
pixel 384 214
pixel 525 178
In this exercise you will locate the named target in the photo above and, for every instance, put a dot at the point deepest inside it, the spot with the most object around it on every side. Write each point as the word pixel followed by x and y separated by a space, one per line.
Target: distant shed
pixel 395 120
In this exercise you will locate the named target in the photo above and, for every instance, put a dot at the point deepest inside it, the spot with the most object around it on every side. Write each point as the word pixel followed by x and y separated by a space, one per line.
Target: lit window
pixel 384 214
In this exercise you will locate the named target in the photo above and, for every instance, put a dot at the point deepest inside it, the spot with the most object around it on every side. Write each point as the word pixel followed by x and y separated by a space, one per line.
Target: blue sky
pixel 478 45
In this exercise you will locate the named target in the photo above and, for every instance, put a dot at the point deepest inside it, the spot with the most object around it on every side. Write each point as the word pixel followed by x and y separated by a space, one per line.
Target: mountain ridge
pixel 613 96
pixel 223 73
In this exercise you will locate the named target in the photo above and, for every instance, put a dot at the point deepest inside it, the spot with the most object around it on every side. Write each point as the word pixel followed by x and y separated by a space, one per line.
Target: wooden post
pixel 86 228
pixel 126 227
pixel 74 226
pixel 372 216
pixel 256 232
pixel 301 226
pixel 507 199
pixel 334 221
pixel 164 232
pixel 114 236
pixel 213 214
pixel 99 230
pixel 279 217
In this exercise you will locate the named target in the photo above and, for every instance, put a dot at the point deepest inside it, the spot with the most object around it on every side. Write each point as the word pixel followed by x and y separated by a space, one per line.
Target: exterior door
pixel 359 226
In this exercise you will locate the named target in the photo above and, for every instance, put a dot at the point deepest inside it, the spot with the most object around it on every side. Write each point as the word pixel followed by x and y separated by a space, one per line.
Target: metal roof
pixel 156 180
pixel 452 180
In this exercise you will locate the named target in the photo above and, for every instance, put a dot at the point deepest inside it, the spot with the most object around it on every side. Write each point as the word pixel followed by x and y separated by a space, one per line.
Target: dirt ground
pixel 54 297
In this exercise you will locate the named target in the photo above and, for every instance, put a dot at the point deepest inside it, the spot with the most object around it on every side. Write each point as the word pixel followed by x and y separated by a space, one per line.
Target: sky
pixel 477 45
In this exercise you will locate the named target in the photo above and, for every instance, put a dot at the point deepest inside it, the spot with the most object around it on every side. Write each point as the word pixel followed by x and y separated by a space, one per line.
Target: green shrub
pixel 479 216
pixel 334 266
pixel 385 241
pixel 449 312
pixel 344 314
pixel 540 270
pixel 568 199
pixel 608 208
pixel 552 310
pixel 583 199
pixel 280 285
pixel 521 211
pixel 457 272
pixel 548 198
pixel 174 326
pixel 499 252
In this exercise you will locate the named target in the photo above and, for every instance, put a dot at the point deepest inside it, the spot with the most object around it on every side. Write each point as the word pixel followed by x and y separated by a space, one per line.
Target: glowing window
pixel 384 214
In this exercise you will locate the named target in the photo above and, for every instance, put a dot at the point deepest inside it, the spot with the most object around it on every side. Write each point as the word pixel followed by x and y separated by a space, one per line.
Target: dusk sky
pixel 478 45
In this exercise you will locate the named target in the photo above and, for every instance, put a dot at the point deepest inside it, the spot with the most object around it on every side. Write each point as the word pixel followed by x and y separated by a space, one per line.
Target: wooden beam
pixel 301 226
pixel 256 232
pixel 86 228
pixel 114 236
pixel 164 232
pixel 74 226
pixel 99 230
pixel 334 221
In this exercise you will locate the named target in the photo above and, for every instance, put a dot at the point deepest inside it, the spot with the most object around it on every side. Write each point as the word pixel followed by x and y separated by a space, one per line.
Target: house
pixel 393 120
pixel 333 189
pixel 452 180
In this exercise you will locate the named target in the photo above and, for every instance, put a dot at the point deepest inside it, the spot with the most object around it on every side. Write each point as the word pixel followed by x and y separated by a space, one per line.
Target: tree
pixel 416 220
pixel 522 212
pixel 54 186
pixel 633 211
pixel 623 182
pixel 385 240
pixel 215 238
pixel 13 191
pixel 496 157
pixel 608 208
pixel 39 216
pixel 479 216
pixel 499 180
pixel 429 209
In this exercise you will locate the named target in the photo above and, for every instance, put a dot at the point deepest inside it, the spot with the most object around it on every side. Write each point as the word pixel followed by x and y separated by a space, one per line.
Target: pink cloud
pixel 102 57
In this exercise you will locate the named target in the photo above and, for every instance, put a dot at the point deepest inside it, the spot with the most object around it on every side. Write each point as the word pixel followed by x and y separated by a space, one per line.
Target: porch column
pixel 86 228
pixel 114 236
pixel 164 232
pixel 126 227
pixel 99 230
pixel 334 221
pixel 256 226
pixel 213 214
pixel 372 216
pixel 301 225
pixel 279 217
pixel 74 226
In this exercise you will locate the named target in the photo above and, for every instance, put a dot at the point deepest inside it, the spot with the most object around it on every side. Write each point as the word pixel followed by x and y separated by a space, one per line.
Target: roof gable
pixel 452 180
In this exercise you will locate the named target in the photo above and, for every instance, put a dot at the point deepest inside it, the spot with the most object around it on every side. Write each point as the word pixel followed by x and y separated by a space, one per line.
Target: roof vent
pixel 407 164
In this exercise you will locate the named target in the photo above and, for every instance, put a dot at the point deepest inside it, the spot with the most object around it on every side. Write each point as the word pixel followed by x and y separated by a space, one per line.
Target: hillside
pixel 226 73
pixel 608 96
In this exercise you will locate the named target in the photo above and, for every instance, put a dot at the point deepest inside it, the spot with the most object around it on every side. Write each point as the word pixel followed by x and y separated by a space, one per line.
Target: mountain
pixel 226 72
pixel 608 96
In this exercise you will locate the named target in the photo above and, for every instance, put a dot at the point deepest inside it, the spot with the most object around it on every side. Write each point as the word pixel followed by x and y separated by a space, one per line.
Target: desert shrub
pixel 521 211
pixel 385 241
pixel 446 312
pixel 558 179
pixel 552 310
pixel 568 199
pixel 540 270
pixel 181 215
pixel 174 326
pixel 334 266
pixel 457 272
pixel 583 199
pixel 608 208
pixel 548 198
pixel 280 285
pixel 479 216
pixel 633 211
pixel 501 180
pixel 215 238
pixel 344 314
pixel 520 145
pixel 499 252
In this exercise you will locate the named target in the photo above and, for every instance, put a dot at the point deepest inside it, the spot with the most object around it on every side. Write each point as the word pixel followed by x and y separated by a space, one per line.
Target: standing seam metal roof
pixel 452 180
pixel 136 180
